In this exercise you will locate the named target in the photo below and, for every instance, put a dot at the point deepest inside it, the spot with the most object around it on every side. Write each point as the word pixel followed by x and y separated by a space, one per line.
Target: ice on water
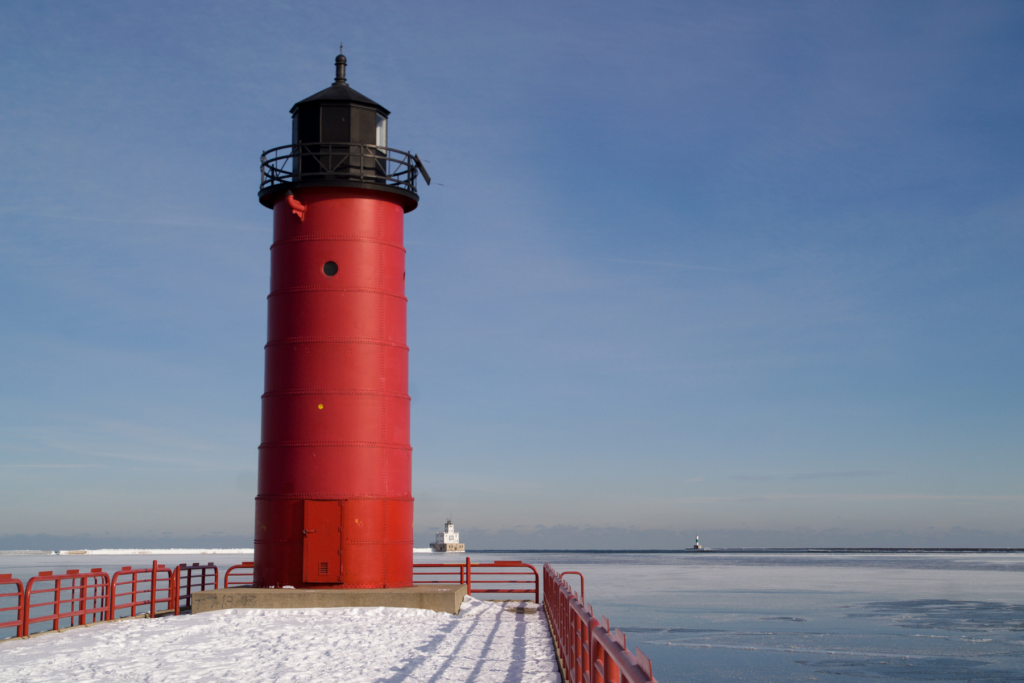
pixel 817 617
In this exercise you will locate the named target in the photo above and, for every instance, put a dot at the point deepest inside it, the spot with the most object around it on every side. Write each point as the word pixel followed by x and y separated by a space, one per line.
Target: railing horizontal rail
pixel 80 598
pixel 343 161
pixel 239 575
pixel 195 578
pixel 147 588
pixel 17 596
pixel 77 598
pixel 501 577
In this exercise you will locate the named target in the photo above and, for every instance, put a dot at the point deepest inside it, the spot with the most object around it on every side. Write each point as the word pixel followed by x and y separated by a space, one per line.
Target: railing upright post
pixel 86 599
pixel 152 592
pixel 177 591
pixel 22 612
pixel 56 605
pixel 591 625
pixel 76 601
pixel 26 610
pixel 611 668
pixel 579 629
pixel 187 571
pixel 135 591
pixel 469 576
pixel 106 596
pixel 81 599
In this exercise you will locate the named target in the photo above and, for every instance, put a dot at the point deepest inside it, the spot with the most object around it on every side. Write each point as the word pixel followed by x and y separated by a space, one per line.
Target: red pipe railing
pixel 583 586
pixel 87 594
pixel 16 624
pixel 96 596
pixel 441 573
pixel 588 649
pixel 193 578
pixel 501 577
pixel 235 577
pixel 499 573
pixel 143 589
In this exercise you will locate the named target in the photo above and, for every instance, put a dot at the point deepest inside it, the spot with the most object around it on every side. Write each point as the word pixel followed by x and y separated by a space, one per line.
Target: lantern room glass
pixel 382 131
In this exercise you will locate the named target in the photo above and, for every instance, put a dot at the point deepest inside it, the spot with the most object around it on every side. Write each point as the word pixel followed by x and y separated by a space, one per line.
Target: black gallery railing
pixel 339 161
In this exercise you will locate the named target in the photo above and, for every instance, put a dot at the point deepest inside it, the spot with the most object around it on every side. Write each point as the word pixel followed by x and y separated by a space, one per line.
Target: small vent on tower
pixel 323 569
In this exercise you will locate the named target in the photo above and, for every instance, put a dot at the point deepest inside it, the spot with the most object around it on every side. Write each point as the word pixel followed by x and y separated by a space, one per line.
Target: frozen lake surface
pixel 715 617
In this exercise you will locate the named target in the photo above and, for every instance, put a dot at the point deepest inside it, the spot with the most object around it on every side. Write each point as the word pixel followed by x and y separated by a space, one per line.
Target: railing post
pixel 83 594
pixel 56 605
pixel 152 592
pixel 591 655
pixel 611 668
pixel 135 591
pixel 469 577
pixel 26 610
pixel 76 600
pixel 177 590
pixel 110 597
pixel 107 594
pixel 22 612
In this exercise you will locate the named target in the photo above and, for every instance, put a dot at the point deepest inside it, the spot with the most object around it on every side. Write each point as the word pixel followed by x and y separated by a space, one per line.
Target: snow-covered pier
pixel 487 641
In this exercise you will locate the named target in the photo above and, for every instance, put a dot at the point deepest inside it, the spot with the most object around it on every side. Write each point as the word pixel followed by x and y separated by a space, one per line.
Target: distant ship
pixel 448 540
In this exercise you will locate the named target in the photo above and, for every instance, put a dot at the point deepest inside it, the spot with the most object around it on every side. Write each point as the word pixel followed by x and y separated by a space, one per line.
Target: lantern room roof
pixel 340 90
pixel 341 93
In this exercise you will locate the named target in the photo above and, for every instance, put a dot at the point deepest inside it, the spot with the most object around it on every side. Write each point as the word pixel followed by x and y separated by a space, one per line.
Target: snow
pixel 26 552
pixel 487 642
pixel 161 551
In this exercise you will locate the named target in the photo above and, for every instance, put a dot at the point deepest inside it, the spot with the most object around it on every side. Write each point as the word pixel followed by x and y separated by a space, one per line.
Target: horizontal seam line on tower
pixel 370 444
pixel 337 392
pixel 333 496
pixel 334 340
pixel 330 238
pixel 321 288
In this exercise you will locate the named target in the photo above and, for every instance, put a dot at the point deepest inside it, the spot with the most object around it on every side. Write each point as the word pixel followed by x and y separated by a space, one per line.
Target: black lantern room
pixel 339 114
pixel 339 138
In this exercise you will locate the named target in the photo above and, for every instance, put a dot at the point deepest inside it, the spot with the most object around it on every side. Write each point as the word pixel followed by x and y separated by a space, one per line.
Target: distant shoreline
pixel 591 551
pixel 688 551
pixel 135 551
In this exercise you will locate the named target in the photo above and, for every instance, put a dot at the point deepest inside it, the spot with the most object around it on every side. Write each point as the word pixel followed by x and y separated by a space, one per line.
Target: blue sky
pixel 748 270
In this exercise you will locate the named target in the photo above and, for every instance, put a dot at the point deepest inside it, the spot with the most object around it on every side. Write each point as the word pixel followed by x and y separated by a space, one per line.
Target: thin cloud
pixel 854 474
pixel 687 266
pixel 50 466
pixel 838 475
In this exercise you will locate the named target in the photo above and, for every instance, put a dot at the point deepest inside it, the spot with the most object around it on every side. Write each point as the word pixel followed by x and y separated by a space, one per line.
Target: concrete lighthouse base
pixel 437 598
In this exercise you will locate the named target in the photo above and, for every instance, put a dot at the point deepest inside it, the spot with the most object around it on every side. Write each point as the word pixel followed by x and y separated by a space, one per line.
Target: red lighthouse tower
pixel 334 505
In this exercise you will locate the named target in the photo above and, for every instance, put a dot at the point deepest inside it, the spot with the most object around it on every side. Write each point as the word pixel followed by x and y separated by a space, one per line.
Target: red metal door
pixel 321 543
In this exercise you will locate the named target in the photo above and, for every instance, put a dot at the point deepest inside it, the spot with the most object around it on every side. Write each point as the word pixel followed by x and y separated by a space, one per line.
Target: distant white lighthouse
pixel 448 540
pixel 696 544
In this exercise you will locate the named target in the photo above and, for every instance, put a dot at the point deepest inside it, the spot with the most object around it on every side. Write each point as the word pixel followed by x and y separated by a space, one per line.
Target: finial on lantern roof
pixel 340 62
